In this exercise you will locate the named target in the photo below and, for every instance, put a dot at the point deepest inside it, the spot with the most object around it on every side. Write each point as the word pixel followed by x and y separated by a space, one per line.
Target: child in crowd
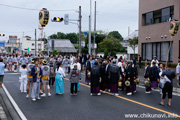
pixel 23 85
pixel 74 79
pixel 45 77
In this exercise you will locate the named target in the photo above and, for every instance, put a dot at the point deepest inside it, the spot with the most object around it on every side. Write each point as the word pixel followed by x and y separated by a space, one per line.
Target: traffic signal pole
pixel 94 49
pixel 35 43
pixel 80 29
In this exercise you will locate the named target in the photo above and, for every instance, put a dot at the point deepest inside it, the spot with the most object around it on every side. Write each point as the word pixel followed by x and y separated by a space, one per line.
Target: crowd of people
pixel 111 74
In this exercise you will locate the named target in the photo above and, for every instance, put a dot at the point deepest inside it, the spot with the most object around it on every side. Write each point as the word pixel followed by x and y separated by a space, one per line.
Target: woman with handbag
pixel 168 75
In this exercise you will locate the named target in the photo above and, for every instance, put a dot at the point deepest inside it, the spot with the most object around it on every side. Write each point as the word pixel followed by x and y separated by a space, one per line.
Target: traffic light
pixel 58 19
pixel 44 17
pixel 2 34
pixel 174 27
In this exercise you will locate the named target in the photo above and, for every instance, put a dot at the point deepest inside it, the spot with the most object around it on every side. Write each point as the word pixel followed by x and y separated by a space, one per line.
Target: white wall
pixel 131 51
pixel 25 44
pixel 117 54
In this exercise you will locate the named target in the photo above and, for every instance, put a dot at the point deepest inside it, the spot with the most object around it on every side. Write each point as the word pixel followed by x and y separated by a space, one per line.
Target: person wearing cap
pixel 155 60
pixel 36 72
pixel 114 75
pixel 95 77
pixel 29 77
pixel 45 77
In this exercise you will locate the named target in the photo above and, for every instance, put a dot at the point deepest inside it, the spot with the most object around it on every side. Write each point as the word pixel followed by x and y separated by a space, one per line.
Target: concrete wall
pixel 155 31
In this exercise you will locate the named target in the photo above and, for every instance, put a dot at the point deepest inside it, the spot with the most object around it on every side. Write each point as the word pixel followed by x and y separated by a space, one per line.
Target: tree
pixel 110 45
pixel 61 35
pixel 116 35
pixel 72 37
pixel 53 36
pixel 133 43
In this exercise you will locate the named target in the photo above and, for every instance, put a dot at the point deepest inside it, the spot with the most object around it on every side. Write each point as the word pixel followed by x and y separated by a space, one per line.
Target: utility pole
pixel 94 49
pixel 90 29
pixel 89 37
pixel 128 31
pixel 35 43
pixel 79 29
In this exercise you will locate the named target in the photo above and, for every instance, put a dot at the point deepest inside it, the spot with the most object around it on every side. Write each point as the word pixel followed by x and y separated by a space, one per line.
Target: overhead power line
pixel 31 8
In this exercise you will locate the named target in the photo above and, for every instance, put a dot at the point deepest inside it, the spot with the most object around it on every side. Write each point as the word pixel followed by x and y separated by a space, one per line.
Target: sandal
pixel 161 104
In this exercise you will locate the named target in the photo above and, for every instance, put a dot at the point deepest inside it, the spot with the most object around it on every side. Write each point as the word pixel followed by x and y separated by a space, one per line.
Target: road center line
pixel 136 102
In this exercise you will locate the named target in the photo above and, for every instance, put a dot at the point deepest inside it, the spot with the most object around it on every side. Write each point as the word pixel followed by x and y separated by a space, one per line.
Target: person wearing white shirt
pixel 60 74
pixel 155 60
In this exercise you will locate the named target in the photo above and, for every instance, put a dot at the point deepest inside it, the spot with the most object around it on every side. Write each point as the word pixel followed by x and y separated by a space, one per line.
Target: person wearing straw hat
pixel 45 77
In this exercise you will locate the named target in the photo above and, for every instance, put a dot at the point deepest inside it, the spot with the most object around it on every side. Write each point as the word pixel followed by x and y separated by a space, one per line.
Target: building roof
pixel 64 45
pixel 132 35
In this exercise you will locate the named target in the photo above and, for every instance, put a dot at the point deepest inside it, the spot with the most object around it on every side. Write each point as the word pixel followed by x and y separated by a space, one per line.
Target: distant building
pixel 154 36
pixel 125 43
pixel 63 45
pixel 26 43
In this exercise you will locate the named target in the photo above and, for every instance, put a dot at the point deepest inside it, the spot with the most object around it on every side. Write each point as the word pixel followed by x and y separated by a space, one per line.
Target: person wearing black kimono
pixel 102 67
pixel 135 76
pixel 107 80
pixel 89 65
pixel 129 77
pixel 122 73
pixel 95 77
pixel 147 76
pixel 154 76
pixel 114 75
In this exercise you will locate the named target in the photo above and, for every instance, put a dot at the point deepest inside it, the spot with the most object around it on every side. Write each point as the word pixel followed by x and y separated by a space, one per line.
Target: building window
pixel 149 18
pixel 32 49
pixel 158 16
pixel 25 49
pixel 165 14
pixel 32 44
pixel 159 49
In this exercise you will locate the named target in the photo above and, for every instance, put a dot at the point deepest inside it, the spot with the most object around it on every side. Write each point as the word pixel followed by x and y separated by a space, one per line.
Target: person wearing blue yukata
pixel 36 72
pixel 59 84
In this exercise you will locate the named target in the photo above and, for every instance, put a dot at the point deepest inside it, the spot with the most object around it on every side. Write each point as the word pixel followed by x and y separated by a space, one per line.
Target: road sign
pixel 66 19
pixel 85 34
pixel 28 50
pixel 2 44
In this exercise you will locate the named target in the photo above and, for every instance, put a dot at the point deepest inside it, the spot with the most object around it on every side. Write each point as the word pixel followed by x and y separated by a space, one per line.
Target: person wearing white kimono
pixel 23 85
pixel 178 73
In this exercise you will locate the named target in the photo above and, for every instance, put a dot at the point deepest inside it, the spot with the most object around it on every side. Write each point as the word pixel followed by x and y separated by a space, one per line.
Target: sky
pixel 112 15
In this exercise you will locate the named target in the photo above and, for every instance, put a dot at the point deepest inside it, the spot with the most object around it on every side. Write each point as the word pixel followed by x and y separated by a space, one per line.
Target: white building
pixel 26 43
pixel 125 44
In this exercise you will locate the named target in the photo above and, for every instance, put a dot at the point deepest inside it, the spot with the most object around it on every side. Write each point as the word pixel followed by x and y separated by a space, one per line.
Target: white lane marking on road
pixel 14 104
pixel 158 90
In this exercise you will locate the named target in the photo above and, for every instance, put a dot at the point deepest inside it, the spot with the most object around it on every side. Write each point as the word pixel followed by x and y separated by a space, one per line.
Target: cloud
pixel 111 15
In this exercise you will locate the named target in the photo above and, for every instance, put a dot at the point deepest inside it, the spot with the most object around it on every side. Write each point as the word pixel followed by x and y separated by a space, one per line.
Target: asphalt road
pixel 86 107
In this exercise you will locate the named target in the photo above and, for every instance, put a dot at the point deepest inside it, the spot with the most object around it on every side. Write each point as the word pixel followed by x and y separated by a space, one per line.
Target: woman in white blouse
pixel 59 84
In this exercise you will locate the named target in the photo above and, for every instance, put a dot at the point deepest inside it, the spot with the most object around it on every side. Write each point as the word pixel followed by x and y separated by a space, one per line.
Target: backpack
pixel 74 73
